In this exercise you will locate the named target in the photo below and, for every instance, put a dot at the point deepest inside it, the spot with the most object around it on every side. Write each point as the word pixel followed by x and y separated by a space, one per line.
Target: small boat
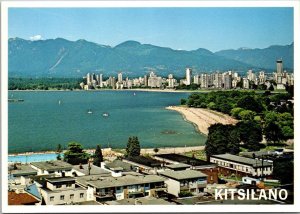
pixel 90 112
pixel 59 102
pixel 134 94
pixel 105 114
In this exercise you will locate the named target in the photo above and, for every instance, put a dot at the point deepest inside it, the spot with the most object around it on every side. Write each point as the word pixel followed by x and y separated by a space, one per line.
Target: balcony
pixel 104 195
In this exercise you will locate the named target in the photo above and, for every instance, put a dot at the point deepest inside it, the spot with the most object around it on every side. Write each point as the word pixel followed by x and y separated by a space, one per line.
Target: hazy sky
pixel 178 28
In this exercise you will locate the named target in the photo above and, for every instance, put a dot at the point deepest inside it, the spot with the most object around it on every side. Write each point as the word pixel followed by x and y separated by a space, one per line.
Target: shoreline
pixel 133 89
pixel 111 150
pixel 202 118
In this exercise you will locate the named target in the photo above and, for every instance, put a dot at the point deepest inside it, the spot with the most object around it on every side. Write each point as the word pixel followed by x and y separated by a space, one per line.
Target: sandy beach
pixel 203 118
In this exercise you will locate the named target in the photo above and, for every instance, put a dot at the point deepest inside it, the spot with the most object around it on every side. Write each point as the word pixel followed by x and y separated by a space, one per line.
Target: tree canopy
pixel 75 154
pixel 98 157
pixel 133 147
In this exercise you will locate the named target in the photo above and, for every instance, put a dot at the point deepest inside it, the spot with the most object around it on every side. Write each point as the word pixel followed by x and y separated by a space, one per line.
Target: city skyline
pixel 178 28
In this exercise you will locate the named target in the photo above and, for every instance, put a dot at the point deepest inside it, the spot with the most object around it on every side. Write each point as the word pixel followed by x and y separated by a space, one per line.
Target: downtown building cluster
pixel 203 80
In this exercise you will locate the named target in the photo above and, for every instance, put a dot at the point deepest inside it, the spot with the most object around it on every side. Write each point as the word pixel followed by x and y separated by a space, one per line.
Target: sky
pixel 178 28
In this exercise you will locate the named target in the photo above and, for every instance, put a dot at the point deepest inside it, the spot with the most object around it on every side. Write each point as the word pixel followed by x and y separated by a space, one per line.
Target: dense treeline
pixel 259 114
pixel 43 83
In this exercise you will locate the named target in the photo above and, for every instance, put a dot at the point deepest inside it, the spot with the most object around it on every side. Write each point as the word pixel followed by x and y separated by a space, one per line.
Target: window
pixel 58 186
pixel 118 188
pixel 68 185
pixel 81 195
pixel 52 198
pixel 62 197
pixel 72 196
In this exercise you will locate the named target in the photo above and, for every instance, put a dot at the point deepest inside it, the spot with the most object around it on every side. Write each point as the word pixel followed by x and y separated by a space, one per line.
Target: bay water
pixel 48 118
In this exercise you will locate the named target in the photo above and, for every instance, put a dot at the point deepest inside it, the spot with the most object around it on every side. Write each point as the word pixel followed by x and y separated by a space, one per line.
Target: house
pixel 104 188
pixel 21 199
pixel 18 174
pixel 59 168
pixel 62 190
pixel 88 169
pixel 232 164
pixel 186 180
pixel 118 167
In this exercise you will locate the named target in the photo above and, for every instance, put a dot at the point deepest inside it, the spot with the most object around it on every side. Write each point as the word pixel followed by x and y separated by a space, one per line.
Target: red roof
pixel 20 199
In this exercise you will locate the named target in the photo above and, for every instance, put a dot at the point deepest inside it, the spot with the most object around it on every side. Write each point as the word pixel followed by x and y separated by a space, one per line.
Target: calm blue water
pixel 32 158
pixel 40 122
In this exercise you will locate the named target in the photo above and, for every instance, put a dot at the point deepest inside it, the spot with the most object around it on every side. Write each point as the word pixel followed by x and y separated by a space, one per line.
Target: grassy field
pixel 199 154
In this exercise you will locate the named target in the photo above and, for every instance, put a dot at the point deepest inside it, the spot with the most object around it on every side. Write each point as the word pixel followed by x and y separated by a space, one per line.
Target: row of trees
pixel 43 83
pixel 75 153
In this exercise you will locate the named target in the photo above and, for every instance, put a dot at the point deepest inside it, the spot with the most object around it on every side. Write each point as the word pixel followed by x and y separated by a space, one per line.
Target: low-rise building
pixel 21 199
pixel 100 188
pixel 62 190
pixel 229 164
pixel 59 168
pixel 88 169
pixel 186 180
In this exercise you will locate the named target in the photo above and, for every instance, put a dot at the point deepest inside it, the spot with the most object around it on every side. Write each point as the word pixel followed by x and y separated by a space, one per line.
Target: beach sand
pixel 203 118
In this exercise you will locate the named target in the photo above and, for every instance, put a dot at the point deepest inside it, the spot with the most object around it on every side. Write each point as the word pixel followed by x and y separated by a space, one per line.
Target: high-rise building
pixel 100 80
pixel 171 81
pixel 154 81
pixel 120 77
pixel 217 80
pixel 146 80
pixel 227 81
pixel 197 79
pixel 204 79
pixel 188 76
pixel 262 77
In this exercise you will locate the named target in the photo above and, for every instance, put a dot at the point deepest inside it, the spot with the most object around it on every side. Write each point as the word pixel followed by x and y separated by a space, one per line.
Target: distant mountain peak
pixel 129 43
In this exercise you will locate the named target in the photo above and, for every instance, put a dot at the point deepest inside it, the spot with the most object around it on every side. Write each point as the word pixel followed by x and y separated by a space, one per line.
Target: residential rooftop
pixel 52 165
pixel 94 170
pixel 60 179
pixel 242 160
pixel 183 174
pixel 21 199
pixel 118 165
pixel 105 182
pixel 146 161
pixel 183 159
pixel 140 201
pixel 21 170
pixel 178 166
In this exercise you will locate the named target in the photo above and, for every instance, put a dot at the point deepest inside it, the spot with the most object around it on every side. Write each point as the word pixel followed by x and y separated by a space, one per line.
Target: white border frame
pixel 5 5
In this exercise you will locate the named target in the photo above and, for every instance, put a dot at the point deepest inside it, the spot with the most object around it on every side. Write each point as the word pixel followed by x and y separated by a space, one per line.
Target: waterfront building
pixel 154 81
pixel 145 80
pixel 186 180
pixel 188 76
pixel 204 79
pixel 171 81
pixel 197 79
pixel 242 166
pixel 120 77
pixel 100 81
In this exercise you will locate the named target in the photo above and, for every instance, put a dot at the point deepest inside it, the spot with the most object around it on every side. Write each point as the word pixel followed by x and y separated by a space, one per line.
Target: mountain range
pixel 63 58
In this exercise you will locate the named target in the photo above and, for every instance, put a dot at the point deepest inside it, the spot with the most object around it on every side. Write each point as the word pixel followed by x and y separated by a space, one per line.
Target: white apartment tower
pixel 188 74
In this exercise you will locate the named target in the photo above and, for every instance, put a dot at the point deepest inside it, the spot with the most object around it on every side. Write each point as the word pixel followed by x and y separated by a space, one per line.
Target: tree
pixel 133 147
pixel 251 134
pixel 98 157
pixel 235 112
pixel 246 115
pixel 273 132
pixel 182 101
pixel 221 139
pixel 250 103
pixel 156 150
pixel 283 170
pixel 58 151
pixel 75 154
